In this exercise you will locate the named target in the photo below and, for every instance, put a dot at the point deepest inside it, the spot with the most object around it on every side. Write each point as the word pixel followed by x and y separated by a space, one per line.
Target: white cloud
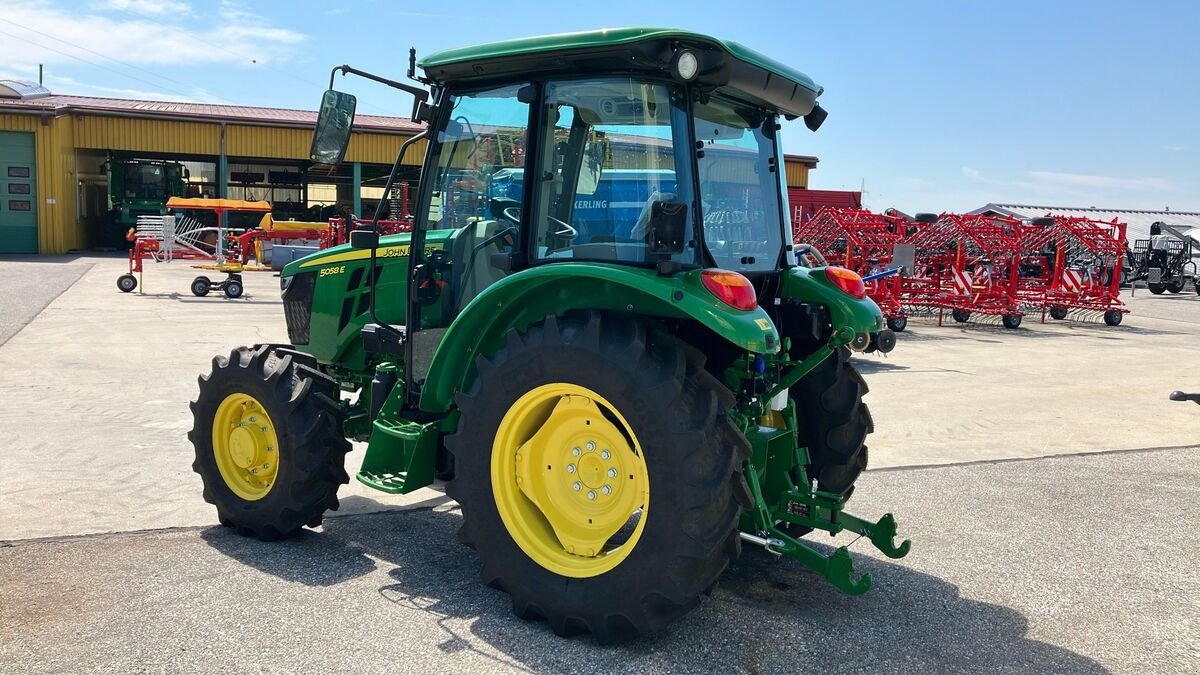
pixel 41 31
pixel 154 7
pixel 972 174
pixel 1082 180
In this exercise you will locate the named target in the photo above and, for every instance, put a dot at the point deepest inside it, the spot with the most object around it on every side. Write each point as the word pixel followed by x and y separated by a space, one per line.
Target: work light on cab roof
pixel 596 323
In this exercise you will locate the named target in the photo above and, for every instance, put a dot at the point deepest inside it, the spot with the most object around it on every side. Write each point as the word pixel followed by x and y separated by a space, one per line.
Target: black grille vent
pixel 297 306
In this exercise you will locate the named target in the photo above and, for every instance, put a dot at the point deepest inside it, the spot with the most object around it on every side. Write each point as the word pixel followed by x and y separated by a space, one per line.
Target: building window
pixel 20 205
pixel 18 172
pixel 18 188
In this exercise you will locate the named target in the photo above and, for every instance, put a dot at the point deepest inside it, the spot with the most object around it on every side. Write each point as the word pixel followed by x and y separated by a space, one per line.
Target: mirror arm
pixel 418 93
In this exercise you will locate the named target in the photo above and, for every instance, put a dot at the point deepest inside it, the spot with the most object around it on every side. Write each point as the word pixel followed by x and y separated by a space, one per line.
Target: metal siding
pixel 267 142
pixel 18 123
pixel 119 133
pixel 59 229
pixel 382 149
pixel 797 174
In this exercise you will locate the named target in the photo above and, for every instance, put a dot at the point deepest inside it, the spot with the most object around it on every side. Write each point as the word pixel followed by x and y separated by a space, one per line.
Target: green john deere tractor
pixel 620 382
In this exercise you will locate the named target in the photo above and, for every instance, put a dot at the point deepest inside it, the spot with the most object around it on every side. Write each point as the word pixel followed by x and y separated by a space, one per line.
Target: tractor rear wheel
pixel 834 422
pixel 269 443
pixel 599 478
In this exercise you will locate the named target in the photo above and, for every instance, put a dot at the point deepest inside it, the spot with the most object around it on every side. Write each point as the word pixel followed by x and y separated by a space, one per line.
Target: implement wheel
pixel 1113 317
pixel 898 323
pixel 201 286
pixel 233 288
pixel 1058 312
pixel 961 315
pixel 1157 289
pixel 126 283
pixel 834 422
pixel 1175 285
pixel 1011 321
pixel 268 440
pixel 599 479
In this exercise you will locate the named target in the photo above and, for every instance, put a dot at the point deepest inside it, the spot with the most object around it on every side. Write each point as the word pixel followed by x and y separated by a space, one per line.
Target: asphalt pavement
pixel 1073 564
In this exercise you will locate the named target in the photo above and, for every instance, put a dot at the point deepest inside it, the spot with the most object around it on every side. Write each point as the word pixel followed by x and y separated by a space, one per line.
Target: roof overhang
pixel 646 51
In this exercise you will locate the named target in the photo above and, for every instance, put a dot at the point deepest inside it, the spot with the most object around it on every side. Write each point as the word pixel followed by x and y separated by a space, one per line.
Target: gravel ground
pixel 1061 564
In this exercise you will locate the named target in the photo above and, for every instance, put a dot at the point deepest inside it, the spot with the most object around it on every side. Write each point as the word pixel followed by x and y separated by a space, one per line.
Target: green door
pixel 18 193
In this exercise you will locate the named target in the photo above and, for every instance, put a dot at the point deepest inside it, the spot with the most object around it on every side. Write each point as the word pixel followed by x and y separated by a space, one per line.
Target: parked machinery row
pixel 976 266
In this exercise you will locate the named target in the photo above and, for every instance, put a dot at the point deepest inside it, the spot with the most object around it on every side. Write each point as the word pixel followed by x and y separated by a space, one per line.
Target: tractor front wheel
pixel 833 422
pixel 599 478
pixel 268 441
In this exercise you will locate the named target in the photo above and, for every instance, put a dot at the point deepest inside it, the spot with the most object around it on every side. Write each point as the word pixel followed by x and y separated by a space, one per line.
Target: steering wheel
pixel 565 230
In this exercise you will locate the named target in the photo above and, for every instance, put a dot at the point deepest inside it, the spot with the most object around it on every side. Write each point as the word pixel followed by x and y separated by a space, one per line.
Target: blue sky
pixel 934 106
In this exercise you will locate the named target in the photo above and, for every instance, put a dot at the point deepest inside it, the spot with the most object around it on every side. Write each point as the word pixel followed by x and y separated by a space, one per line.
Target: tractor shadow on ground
pixel 767 615
pixel 186 298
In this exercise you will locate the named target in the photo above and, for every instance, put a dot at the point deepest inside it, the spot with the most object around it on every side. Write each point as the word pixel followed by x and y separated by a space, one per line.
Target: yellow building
pixel 74 169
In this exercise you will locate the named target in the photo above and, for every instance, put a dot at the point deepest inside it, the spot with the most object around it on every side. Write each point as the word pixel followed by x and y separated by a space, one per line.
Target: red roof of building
pixel 65 105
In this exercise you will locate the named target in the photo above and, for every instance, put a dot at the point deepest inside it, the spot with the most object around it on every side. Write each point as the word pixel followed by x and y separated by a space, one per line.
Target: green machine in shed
pixel 616 408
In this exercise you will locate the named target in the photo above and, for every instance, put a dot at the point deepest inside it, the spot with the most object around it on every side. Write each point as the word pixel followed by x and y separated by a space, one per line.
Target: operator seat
pixel 473 268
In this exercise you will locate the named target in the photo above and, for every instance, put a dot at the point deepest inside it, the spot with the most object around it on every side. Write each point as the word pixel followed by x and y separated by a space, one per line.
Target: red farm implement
pixel 864 242
pixel 181 236
pixel 337 233
pixel 968 264
pixel 1072 268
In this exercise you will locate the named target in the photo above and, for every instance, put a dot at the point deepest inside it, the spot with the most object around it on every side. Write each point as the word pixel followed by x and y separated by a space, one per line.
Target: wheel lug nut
pixel 591 494
pixel 607 489
pixel 591 445
pixel 570 468
pixel 605 454
pixel 575 451
pixel 264 429
pixel 577 486
pixel 612 473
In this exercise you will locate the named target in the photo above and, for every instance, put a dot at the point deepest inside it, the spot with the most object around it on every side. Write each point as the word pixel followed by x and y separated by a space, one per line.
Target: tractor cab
pixel 653 150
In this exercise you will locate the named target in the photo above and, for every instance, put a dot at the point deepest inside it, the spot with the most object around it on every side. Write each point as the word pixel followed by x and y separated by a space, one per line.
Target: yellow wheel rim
pixel 245 446
pixel 570 481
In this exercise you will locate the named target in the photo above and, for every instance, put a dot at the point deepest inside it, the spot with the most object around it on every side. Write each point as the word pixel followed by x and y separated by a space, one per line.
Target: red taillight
pixel 847 280
pixel 730 288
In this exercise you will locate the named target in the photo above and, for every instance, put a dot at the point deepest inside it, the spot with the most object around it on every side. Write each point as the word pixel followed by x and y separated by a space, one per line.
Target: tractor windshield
pixel 739 175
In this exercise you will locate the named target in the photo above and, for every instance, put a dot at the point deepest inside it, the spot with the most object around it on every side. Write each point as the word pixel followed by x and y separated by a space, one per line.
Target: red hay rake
pixel 967 264
pixel 1073 267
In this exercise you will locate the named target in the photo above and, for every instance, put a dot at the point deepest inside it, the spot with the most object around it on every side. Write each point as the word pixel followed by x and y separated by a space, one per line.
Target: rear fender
pixel 810 285
pixel 527 297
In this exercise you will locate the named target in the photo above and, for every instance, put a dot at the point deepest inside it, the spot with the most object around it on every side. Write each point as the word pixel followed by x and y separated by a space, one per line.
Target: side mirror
pixel 332 135
pixel 667 227
pixel 364 239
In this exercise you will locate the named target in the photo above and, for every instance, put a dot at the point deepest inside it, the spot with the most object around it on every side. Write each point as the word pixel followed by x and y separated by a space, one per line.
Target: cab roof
pixel 629 50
